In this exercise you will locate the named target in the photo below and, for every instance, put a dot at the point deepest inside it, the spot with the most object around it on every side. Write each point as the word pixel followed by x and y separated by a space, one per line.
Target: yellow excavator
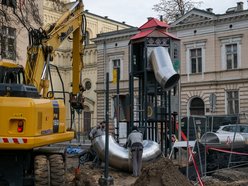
pixel 31 119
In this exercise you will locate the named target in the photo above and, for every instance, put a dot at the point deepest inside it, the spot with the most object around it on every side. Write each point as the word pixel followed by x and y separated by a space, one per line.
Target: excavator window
pixel 11 78
pixel 12 83
pixel 12 75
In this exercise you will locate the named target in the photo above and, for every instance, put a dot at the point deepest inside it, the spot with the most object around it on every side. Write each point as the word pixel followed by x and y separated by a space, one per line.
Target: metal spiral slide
pixel 119 157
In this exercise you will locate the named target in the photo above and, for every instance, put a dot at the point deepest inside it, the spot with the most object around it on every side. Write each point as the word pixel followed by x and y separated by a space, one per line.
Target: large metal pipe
pixel 163 69
pixel 224 140
pixel 119 157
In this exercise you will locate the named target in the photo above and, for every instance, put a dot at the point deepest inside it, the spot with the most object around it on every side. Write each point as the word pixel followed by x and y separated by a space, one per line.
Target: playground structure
pixel 153 80
pixel 151 77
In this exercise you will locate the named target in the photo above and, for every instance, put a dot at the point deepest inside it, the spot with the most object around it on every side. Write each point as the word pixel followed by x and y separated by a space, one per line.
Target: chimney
pixel 210 10
pixel 240 6
pixel 161 18
pixel 177 16
pixel 149 18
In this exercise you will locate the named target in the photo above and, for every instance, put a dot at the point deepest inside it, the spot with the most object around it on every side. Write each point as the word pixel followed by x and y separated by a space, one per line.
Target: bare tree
pixel 172 9
pixel 24 12
pixel 16 16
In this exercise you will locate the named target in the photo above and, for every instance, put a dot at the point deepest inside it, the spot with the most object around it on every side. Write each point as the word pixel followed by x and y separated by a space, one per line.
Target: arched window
pixel 87 38
pixel 87 85
pixel 87 119
pixel 197 107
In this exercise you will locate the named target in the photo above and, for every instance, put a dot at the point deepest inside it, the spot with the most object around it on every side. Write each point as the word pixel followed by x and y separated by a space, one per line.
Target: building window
pixel 231 56
pixel 123 108
pixel 87 38
pixel 115 63
pixel 231 52
pixel 197 107
pixel 87 85
pixel 232 102
pixel 116 69
pixel 8 43
pixel 11 3
pixel 196 60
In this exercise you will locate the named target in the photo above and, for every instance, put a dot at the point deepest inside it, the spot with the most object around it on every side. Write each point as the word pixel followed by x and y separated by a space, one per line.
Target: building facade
pixel 14 34
pixel 113 51
pixel 214 68
pixel 95 25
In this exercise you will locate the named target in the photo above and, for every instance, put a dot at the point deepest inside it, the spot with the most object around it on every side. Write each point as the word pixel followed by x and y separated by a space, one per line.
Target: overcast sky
pixel 136 12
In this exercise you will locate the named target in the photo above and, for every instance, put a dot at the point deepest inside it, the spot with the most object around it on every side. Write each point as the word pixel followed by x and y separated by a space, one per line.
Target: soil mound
pixel 161 173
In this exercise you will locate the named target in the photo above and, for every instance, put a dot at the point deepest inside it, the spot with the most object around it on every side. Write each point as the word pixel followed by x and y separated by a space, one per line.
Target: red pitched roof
pixel 142 34
pixel 153 26
pixel 153 22
pixel 146 33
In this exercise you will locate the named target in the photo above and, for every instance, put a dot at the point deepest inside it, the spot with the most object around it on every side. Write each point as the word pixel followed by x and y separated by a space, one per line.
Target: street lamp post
pixel 106 180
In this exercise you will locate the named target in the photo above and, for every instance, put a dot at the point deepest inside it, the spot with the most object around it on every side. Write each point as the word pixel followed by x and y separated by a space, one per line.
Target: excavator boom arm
pixel 39 55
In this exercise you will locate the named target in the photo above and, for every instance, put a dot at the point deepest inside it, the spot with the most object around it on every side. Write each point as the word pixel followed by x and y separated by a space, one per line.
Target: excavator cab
pixel 12 82
pixel 11 73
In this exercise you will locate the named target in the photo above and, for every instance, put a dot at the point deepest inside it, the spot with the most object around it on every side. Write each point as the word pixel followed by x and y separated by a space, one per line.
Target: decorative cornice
pixel 217 20
pixel 232 36
pixel 195 41
pixel 64 68
pixel 213 83
pixel 115 35
pixel 90 101
pixel 91 65
pixel 105 18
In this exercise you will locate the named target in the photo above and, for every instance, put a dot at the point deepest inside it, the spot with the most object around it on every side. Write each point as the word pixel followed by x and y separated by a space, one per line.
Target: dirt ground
pixel 228 177
pixel 161 172
pixel 88 175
